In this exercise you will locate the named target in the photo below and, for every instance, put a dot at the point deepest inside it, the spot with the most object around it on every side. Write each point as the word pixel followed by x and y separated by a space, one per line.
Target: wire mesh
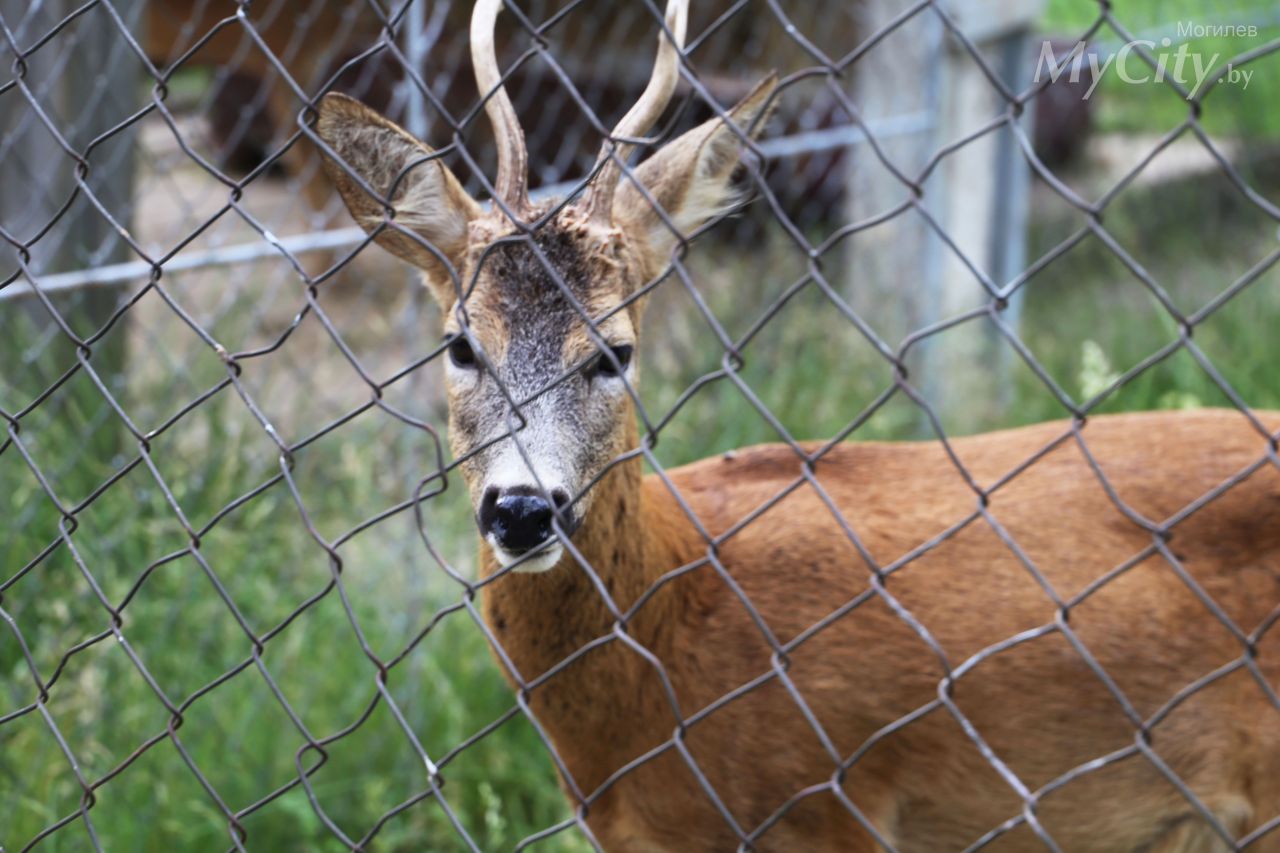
pixel 240 600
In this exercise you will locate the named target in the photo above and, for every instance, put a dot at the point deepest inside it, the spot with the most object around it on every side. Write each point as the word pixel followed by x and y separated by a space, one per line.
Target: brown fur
pixel 1038 705
pixel 919 782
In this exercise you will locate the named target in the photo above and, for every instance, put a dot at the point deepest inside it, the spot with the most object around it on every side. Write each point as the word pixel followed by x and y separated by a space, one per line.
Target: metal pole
pixel 84 83
pixel 416 52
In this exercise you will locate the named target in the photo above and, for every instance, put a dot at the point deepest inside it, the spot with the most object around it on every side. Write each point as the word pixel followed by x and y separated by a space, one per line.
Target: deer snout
pixel 518 519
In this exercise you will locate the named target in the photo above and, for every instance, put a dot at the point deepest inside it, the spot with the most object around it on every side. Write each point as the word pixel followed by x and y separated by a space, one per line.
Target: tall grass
pixel 183 633
pixel 1153 107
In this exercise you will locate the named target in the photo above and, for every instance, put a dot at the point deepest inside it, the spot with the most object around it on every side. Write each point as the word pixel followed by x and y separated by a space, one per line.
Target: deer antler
pixel 512 184
pixel 641 117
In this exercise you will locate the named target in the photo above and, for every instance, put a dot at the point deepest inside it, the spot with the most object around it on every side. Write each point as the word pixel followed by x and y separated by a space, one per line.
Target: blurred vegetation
pixel 180 629
pixel 1087 315
pixel 1155 108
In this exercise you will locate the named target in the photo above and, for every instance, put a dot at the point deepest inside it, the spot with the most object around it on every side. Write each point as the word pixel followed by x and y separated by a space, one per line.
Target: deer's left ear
pixel 428 200
pixel 689 177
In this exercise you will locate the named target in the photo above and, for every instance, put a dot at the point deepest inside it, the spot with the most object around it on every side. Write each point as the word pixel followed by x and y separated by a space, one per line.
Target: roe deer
pixel 1060 636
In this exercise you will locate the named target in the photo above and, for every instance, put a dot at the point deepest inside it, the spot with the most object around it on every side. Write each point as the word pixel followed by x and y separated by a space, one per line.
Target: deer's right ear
pixel 689 178
pixel 426 197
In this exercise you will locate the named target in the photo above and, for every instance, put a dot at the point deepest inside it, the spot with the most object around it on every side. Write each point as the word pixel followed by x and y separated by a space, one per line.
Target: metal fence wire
pixel 238 590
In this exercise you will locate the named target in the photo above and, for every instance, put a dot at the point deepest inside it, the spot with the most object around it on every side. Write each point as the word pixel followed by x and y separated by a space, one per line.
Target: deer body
pixel 1039 706
pixel 822 677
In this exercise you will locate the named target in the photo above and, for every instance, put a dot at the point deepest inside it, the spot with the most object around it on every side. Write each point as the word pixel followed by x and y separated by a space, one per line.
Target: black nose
pixel 519 518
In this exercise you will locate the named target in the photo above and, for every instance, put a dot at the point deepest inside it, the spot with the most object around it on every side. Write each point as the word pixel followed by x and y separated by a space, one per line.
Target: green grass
pixel 181 630
pixel 1153 107
pixel 1085 319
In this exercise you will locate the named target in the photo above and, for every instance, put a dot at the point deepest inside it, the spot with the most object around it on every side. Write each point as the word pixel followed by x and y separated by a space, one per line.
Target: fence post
pixel 902 270
pixel 86 85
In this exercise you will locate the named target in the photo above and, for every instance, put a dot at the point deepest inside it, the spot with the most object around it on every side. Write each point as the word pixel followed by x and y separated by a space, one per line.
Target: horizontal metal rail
pixel 808 142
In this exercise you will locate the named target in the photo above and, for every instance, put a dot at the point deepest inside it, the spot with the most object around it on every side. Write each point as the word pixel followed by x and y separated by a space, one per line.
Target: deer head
pixel 540 306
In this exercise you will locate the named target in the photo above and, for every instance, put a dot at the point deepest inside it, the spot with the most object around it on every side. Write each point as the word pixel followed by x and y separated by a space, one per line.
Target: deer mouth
pixel 540 558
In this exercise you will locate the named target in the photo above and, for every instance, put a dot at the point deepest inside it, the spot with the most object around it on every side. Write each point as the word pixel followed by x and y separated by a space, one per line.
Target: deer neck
pixel 540 619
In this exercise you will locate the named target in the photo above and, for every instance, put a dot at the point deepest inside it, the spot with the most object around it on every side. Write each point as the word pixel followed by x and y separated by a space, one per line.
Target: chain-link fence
pixel 240 596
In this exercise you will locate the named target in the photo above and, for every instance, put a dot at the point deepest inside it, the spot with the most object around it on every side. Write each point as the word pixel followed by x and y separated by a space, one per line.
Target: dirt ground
pixel 375 307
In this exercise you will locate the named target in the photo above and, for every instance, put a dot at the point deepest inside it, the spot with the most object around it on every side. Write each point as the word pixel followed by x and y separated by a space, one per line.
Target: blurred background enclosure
pixel 234 563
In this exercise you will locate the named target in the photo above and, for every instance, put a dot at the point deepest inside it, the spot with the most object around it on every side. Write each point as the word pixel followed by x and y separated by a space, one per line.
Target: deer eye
pixel 460 352
pixel 621 354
